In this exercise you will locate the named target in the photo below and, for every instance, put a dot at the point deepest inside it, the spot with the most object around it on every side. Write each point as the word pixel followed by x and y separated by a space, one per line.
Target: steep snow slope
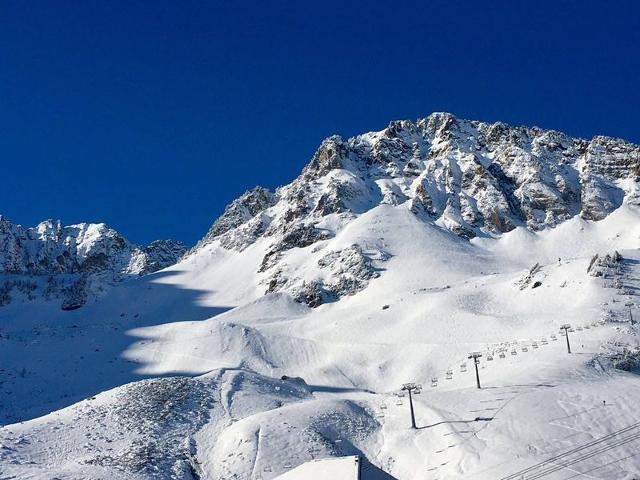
pixel 360 301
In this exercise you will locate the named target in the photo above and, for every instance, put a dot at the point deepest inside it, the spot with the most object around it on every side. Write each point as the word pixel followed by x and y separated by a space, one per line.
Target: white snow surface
pixel 342 468
pixel 193 372
pixel 206 319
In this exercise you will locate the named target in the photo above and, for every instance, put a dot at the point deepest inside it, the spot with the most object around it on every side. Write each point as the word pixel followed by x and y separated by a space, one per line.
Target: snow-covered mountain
pixel 70 258
pixel 285 335
pixel 471 178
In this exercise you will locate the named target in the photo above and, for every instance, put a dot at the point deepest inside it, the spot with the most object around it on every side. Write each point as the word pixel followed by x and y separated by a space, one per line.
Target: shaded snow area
pixel 278 346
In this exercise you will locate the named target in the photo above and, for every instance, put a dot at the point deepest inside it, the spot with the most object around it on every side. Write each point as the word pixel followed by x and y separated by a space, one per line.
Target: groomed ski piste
pixel 192 373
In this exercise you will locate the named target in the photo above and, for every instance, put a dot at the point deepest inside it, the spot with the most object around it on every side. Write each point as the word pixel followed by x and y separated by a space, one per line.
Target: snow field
pixel 219 410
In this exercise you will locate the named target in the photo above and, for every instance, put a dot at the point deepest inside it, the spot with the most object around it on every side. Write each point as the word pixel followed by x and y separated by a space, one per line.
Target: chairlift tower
pixel 411 388
pixel 567 328
pixel 476 360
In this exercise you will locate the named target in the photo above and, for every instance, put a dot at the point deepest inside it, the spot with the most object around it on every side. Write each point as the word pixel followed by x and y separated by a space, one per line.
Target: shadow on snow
pixel 50 359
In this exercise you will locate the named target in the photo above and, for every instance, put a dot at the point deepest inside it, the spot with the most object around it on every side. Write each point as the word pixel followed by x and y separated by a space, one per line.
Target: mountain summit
pixel 70 258
pixel 470 178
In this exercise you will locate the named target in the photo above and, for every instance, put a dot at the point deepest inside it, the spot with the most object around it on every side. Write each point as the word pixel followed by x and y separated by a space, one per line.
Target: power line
pixel 602 466
pixel 572 451
pixel 564 463
pixel 584 456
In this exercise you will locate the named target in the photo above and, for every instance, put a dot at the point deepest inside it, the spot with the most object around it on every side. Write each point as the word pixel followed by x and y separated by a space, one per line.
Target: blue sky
pixel 152 116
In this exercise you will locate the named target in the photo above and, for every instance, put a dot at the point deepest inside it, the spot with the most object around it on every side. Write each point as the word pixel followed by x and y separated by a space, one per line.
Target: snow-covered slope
pixel 73 262
pixel 285 335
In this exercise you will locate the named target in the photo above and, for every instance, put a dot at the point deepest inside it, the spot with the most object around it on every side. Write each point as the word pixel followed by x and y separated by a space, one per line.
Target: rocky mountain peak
pixel 240 211
pixel 76 255
pixel 160 254
pixel 331 155
pixel 468 177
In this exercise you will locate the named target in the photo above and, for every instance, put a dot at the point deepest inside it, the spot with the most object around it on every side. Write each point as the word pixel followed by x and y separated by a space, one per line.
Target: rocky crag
pixel 71 263
pixel 470 178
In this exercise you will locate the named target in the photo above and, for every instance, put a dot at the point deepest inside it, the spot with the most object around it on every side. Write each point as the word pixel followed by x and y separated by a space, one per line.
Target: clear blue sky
pixel 151 116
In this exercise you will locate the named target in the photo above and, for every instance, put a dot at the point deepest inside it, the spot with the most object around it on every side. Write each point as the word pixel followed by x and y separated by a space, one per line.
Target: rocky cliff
pixel 471 178
pixel 72 258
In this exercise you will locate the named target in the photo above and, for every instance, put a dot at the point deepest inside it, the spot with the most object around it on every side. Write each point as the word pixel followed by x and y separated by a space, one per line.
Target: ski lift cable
pixel 602 466
pixel 572 451
pixel 499 350
pixel 584 456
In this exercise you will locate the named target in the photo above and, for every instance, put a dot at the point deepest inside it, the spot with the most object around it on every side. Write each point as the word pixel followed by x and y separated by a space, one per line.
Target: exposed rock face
pixel 471 178
pixel 343 272
pixel 350 270
pixel 532 279
pixel 157 255
pixel 76 294
pixel 300 235
pixel 71 256
pixel 627 360
pixel 606 266
pixel 238 213
pixel 52 248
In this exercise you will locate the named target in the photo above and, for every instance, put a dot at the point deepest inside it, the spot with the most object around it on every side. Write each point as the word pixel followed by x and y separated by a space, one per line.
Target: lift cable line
pixel 409 388
pixel 585 456
pixel 597 443
pixel 580 474
pixel 575 450
pixel 501 350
